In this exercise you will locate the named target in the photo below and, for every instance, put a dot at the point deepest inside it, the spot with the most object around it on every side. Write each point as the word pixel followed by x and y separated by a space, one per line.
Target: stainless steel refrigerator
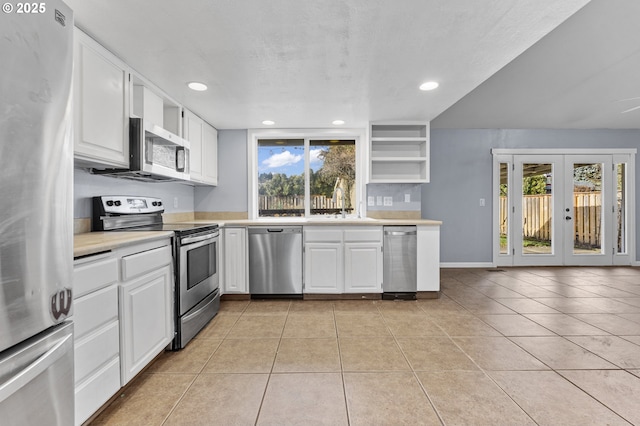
pixel 36 216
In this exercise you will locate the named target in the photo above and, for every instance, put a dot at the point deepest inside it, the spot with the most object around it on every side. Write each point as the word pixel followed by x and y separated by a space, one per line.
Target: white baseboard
pixel 467 265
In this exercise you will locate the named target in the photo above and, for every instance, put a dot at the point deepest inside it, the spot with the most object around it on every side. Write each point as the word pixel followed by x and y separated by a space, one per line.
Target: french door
pixel 562 209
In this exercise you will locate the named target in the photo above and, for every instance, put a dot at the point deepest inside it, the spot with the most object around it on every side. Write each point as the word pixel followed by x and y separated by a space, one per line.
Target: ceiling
pixel 585 74
pixel 304 64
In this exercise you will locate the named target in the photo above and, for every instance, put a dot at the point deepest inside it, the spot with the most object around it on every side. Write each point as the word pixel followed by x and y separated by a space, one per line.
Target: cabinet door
pixel 235 260
pixel 146 319
pixel 210 155
pixel 323 268
pixel 193 132
pixel 101 110
pixel 363 268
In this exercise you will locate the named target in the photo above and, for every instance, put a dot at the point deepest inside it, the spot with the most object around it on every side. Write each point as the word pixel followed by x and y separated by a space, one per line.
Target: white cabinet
pixel 428 253
pixel 399 153
pixel 363 259
pixel 343 259
pixel 210 155
pixel 146 306
pixel 96 333
pixel 323 265
pixel 235 260
pixel 204 149
pixel 101 105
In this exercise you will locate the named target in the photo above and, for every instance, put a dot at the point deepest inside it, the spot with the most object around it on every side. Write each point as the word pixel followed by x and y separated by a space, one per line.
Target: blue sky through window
pixel 286 159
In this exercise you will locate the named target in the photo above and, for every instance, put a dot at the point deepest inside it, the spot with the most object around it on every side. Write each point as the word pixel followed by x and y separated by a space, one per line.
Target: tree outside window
pixel 282 176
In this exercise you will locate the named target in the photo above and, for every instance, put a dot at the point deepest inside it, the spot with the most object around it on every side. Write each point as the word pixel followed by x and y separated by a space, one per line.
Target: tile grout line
pixel 344 386
pixel 197 375
pixel 413 371
pixel 266 386
pixel 550 368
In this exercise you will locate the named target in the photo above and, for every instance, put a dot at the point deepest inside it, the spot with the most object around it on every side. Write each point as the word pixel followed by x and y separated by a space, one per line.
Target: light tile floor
pixel 552 346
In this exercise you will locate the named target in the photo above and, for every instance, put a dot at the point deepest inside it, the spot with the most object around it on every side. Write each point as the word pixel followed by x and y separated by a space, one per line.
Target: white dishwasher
pixel 275 261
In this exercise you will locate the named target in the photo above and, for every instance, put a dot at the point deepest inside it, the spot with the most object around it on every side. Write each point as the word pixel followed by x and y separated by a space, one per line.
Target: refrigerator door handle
pixel 42 363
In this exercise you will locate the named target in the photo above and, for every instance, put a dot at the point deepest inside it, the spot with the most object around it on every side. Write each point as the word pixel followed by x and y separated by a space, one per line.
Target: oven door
pixel 198 269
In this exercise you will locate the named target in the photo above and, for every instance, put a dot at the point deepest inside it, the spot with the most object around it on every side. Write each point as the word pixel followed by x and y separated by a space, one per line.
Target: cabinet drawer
pixel 369 235
pixel 93 275
pixel 322 235
pixel 94 310
pixel 96 350
pixel 140 263
pixel 97 390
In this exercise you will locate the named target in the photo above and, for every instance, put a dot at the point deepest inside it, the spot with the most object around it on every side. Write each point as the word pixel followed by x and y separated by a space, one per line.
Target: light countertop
pixel 284 221
pixel 96 242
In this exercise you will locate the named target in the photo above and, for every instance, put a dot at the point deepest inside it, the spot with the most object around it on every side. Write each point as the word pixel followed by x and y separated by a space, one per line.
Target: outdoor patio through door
pixel 562 209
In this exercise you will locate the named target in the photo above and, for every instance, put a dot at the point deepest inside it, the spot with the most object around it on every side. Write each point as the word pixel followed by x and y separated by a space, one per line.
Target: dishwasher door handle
pixel 400 233
pixel 275 230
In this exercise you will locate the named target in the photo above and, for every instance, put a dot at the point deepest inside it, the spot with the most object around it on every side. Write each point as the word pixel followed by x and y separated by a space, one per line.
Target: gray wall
pixel 397 192
pixel 86 186
pixel 461 174
pixel 231 193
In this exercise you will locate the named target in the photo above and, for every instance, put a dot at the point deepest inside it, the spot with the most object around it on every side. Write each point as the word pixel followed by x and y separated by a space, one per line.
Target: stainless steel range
pixel 195 253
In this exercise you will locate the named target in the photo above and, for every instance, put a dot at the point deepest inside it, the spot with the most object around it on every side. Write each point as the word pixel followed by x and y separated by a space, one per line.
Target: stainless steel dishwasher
pixel 399 279
pixel 275 261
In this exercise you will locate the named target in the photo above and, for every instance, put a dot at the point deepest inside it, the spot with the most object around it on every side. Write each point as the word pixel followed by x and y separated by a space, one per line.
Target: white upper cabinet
pixel 101 105
pixel 399 153
pixel 193 128
pixel 204 148
pixel 210 155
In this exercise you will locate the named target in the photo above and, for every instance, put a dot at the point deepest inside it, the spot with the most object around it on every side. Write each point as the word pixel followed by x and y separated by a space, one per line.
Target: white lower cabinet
pixel 146 308
pixel 96 333
pixel 362 268
pixel 323 267
pixel 123 318
pixel 428 252
pixel 235 260
pixel 343 259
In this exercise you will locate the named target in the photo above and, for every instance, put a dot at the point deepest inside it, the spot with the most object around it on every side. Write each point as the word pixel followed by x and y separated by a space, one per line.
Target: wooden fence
pixel 536 221
pixel 293 205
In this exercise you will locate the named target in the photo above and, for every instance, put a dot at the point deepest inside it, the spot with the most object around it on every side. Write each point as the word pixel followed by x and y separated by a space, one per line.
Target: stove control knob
pixel 153 203
pixel 110 203
pixel 159 203
pixel 117 202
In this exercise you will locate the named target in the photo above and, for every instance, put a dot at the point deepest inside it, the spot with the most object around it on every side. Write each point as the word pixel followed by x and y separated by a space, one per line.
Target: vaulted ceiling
pixel 585 74
pixel 532 63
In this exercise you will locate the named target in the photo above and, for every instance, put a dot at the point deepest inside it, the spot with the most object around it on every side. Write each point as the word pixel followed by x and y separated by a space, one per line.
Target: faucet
pixel 335 191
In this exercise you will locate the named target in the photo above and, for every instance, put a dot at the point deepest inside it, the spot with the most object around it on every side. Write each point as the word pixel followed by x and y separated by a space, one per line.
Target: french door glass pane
pixel 621 219
pixel 503 229
pixel 587 208
pixel 281 177
pixel 537 209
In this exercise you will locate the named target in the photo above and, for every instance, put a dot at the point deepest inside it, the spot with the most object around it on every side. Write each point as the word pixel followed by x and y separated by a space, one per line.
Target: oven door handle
pixel 191 240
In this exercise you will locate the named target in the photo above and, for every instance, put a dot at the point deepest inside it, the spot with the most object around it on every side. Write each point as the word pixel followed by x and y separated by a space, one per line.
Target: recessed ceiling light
pixel 338 122
pixel 429 85
pixel 268 122
pixel 198 87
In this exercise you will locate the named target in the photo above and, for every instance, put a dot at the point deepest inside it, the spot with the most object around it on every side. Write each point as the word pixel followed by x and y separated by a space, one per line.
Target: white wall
pixel 461 174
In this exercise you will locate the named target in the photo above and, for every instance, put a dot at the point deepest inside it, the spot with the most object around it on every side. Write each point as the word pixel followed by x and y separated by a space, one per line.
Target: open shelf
pixel 399 153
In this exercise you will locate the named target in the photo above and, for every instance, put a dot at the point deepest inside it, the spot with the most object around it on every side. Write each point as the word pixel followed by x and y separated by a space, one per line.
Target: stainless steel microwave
pixel 154 154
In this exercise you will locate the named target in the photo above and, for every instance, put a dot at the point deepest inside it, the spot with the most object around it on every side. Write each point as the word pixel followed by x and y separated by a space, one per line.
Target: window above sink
pixel 315 174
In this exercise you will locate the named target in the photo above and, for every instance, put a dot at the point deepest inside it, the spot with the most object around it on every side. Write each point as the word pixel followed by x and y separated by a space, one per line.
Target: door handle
pixel 567 218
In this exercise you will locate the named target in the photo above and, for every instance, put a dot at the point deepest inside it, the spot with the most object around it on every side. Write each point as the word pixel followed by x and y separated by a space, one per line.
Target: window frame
pixel 253 135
